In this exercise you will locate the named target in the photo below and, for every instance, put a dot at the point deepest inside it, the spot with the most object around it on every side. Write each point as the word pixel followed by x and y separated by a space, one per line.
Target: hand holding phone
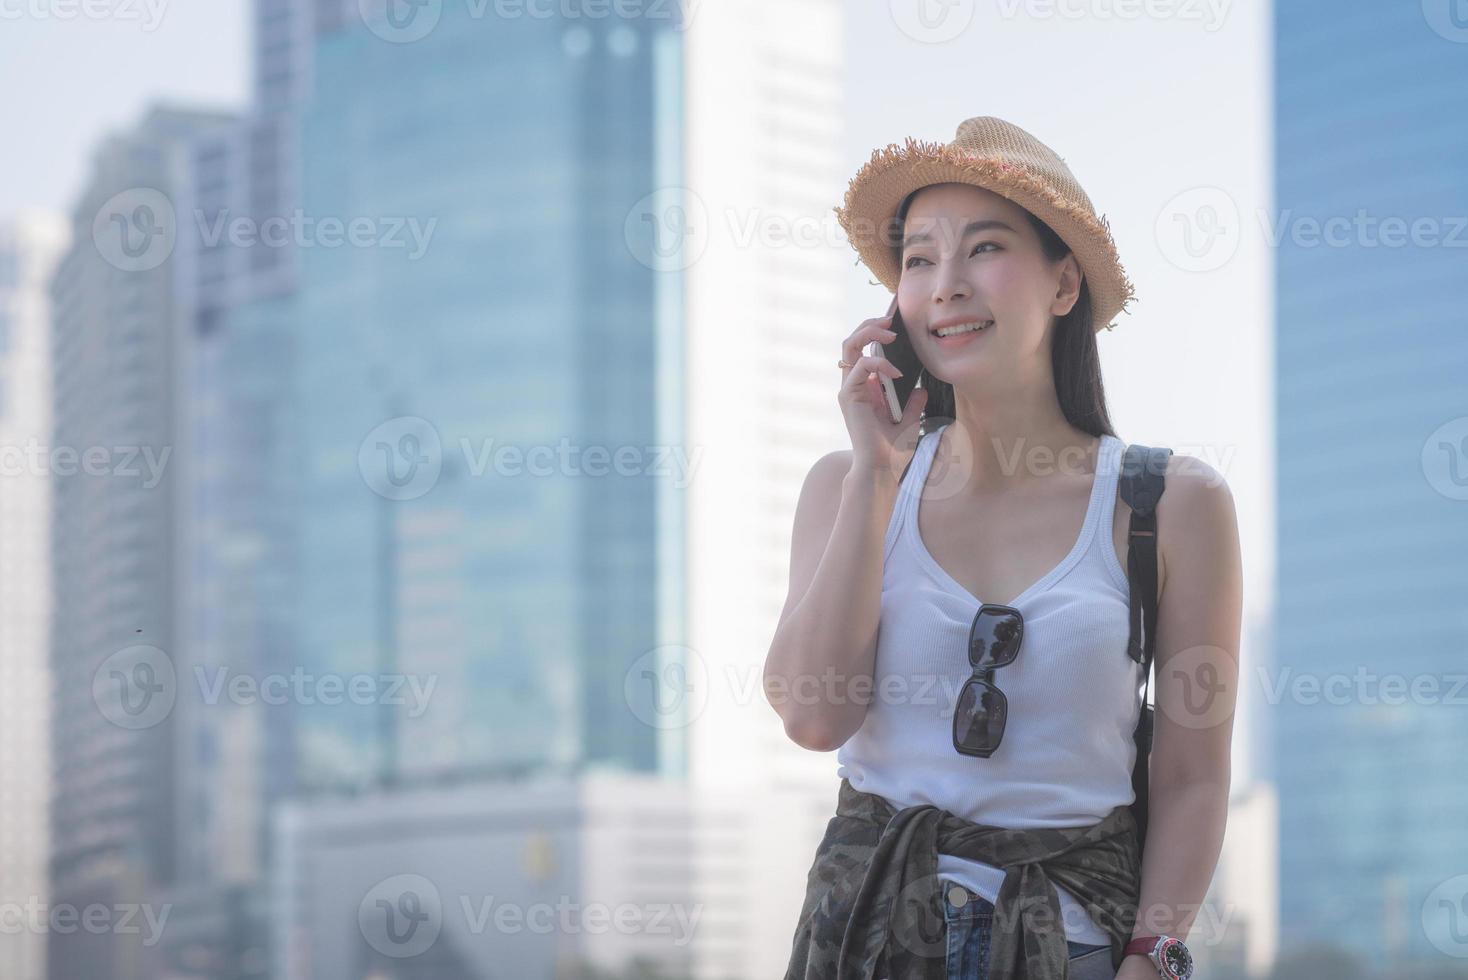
pixel 899 352
pixel 879 394
pixel 889 385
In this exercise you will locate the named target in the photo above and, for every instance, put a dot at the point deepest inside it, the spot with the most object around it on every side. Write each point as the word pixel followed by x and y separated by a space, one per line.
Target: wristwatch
pixel 1167 953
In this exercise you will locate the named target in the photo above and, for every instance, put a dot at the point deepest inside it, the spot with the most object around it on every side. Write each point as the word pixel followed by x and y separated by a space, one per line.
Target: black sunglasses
pixel 993 641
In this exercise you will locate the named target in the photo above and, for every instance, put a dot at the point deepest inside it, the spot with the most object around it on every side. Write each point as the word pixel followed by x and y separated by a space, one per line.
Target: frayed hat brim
pixel 1026 173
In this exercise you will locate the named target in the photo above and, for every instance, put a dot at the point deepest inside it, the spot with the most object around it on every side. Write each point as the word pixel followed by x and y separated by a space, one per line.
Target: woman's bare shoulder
pixel 815 516
pixel 1196 495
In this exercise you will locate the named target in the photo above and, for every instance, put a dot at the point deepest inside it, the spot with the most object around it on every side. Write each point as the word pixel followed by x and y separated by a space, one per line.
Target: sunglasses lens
pixel 995 638
pixel 978 721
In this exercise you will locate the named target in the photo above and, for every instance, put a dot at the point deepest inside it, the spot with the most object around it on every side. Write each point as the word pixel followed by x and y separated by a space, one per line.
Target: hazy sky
pixel 69 80
pixel 1142 109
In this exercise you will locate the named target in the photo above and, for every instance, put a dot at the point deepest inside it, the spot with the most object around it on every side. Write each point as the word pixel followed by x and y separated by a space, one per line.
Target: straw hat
pixel 998 156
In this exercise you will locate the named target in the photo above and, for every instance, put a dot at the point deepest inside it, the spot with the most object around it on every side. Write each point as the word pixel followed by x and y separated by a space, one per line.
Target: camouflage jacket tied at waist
pixel 874 909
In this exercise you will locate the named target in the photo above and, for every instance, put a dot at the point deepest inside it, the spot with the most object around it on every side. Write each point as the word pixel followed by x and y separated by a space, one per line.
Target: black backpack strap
pixel 1142 481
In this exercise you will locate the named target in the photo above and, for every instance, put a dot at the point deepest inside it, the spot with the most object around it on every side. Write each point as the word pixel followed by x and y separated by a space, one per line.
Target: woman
pixel 984 824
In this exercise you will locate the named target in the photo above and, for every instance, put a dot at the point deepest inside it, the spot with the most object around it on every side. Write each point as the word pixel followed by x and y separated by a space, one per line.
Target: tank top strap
pixel 1102 550
pixel 911 486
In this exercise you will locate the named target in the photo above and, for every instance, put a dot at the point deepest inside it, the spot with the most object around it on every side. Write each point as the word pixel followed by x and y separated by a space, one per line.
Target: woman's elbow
pixel 815 735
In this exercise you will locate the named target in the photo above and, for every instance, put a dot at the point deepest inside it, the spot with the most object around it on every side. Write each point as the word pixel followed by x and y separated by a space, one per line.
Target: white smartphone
pixel 900 353
pixel 894 407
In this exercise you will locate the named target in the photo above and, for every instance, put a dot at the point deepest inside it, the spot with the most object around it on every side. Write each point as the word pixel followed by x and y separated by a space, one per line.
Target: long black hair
pixel 1074 360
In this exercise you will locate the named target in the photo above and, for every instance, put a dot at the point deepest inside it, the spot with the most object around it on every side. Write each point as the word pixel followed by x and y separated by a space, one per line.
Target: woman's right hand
pixel 877 442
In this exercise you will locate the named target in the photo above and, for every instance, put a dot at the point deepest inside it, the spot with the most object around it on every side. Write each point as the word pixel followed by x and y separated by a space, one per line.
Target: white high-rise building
pixel 766 298
pixel 129 296
pixel 766 286
pixel 1237 932
pixel 766 301
pixel 29 247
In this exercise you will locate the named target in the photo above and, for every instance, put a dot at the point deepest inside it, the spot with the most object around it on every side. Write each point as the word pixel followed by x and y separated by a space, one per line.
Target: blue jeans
pixel 969 918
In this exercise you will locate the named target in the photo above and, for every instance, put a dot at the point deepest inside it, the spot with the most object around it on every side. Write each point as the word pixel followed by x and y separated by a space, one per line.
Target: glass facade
pixel 488 328
pixel 1371 346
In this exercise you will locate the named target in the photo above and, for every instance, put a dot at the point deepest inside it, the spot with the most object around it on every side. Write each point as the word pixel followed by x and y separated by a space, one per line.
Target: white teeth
pixel 964 328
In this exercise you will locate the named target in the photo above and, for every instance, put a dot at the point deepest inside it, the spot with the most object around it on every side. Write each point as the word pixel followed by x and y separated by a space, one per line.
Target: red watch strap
pixel 1142 944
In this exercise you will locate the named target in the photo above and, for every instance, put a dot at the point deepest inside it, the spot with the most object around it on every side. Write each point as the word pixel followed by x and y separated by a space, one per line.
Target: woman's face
pixel 971 254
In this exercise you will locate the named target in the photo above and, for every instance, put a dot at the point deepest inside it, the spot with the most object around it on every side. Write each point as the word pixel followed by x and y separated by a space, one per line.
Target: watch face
pixel 1176 959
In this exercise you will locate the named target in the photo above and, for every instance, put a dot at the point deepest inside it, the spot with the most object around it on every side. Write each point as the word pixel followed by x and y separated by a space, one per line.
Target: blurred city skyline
pixel 1143 152
pixel 550 622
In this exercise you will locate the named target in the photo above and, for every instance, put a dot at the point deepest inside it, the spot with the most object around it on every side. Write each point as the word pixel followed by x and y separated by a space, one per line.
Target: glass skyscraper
pixel 493 301
pixel 1372 399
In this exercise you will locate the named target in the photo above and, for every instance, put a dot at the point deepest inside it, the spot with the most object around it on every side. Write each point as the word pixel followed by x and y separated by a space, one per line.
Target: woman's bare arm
pixel 818 673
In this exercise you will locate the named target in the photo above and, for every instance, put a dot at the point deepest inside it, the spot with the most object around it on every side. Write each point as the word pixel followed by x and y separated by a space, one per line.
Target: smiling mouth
pixel 962 329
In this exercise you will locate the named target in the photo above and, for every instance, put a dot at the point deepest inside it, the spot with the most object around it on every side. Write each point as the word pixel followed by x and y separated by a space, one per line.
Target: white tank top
pixel 1074 694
